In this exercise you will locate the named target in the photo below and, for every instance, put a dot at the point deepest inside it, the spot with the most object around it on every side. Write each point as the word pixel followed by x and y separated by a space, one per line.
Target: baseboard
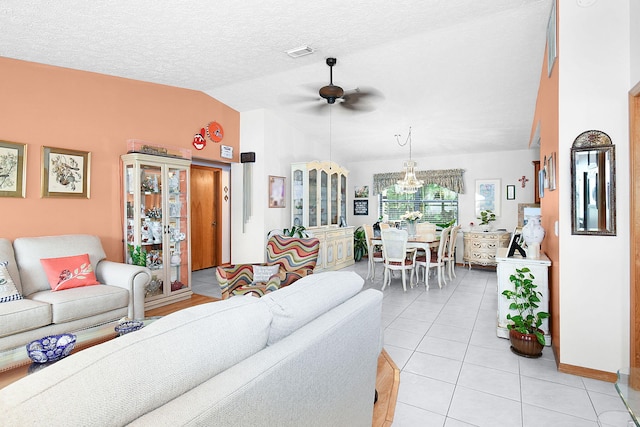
pixel 587 372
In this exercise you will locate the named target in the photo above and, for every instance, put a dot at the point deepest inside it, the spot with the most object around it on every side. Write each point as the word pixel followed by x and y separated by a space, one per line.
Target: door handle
pixel 214 223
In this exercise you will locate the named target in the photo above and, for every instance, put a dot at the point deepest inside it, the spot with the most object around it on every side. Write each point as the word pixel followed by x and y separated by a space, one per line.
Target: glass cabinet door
pixel 151 229
pixel 324 203
pixel 334 198
pixel 313 197
pixel 177 229
pixel 297 191
pixel 343 196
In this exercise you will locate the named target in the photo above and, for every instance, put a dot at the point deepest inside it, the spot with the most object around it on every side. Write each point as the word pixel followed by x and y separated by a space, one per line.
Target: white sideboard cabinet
pixel 506 267
pixel 480 246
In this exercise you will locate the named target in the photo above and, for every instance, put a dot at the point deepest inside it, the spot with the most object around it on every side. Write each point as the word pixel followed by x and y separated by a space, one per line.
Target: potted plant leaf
pixel 486 218
pixel 360 248
pixel 527 339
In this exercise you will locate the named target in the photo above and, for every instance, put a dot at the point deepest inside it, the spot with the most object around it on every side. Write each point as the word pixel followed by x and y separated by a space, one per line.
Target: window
pixel 438 205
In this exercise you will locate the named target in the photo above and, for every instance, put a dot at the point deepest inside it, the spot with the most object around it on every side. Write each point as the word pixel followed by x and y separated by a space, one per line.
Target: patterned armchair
pixel 295 257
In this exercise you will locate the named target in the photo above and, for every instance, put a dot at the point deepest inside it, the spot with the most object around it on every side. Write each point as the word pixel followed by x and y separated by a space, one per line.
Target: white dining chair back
pixel 450 256
pixel 436 259
pixel 396 257
pixel 374 252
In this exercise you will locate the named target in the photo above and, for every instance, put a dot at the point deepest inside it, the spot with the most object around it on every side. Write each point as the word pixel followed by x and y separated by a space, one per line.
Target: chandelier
pixel 410 183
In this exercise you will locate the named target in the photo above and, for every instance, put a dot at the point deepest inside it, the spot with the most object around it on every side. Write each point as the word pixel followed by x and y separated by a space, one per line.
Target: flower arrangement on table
pixel 411 216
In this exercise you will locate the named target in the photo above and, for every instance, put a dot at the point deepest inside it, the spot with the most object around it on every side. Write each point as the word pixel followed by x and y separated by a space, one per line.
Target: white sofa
pixel 43 312
pixel 304 355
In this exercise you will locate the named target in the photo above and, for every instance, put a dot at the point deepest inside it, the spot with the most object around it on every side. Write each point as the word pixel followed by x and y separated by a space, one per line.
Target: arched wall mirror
pixel 593 184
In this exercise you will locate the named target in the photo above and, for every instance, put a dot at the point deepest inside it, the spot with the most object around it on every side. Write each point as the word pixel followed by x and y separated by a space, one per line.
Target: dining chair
pixel 374 252
pixel 425 228
pixel 450 256
pixel 396 257
pixel 384 226
pixel 435 260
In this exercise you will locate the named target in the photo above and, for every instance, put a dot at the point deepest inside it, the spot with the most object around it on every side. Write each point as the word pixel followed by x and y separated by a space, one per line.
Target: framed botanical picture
pixel 511 192
pixel 12 169
pixel 65 173
pixel 361 192
pixel 488 193
pixel 276 192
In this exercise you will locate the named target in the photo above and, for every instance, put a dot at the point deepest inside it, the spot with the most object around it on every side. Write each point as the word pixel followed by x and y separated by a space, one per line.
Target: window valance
pixel 448 178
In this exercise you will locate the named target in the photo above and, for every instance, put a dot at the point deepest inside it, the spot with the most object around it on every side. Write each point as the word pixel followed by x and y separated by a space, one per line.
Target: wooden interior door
pixel 206 231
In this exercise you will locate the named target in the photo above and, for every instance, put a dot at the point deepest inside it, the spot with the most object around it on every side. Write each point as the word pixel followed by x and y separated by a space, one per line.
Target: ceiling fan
pixel 355 99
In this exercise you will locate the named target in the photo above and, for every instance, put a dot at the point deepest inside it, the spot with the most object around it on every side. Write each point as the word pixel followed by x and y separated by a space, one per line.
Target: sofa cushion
pixel 8 290
pixel 23 315
pixel 29 251
pixel 69 272
pixel 6 254
pixel 78 303
pixel 298 304
pixel 133 374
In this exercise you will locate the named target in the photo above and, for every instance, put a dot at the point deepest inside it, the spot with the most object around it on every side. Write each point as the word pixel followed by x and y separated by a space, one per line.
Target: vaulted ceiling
pixel 464 74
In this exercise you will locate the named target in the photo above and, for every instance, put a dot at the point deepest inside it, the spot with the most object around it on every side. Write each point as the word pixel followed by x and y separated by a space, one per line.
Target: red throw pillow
pixel 69 272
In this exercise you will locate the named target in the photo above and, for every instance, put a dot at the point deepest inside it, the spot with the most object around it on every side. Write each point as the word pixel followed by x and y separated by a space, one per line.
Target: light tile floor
pixel 455 372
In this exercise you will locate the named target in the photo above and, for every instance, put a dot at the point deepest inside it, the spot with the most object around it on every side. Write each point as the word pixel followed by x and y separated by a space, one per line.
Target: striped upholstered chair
pixel 294 256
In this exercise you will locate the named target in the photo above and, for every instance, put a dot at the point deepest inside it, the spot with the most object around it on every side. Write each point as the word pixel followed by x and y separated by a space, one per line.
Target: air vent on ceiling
pixel 300 51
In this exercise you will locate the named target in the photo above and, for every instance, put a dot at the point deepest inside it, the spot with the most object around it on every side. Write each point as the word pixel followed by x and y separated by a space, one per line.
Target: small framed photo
pixel 361 192
pixel 276 192
pixel 511 192
pixel 65 173
pixel 361 207
pixel 12 169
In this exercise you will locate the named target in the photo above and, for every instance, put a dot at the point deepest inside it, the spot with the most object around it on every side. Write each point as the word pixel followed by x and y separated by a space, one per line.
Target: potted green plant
pixel 360 247
pixel 486 217
pixel 527 339
pixel 138 255
pixel 296 231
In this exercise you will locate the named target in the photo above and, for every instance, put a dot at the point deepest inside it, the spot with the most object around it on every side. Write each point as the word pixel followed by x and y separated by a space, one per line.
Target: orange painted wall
pixel 50 106
pixel 546 114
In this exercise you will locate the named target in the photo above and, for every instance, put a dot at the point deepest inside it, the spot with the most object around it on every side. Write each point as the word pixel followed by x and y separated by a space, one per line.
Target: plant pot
pixel 526 345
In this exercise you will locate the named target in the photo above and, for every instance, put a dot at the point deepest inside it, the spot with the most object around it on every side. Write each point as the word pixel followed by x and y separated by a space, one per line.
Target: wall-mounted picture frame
pixel 551 38
pixel 13 169
pixel 488 196
pixel 361 207
pixel 65 173
pixel 361 192
pixel 551 170
pixel 277 192
pixel 511 192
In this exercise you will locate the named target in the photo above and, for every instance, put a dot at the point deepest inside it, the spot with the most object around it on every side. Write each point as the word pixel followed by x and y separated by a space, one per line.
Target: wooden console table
pixel 480 246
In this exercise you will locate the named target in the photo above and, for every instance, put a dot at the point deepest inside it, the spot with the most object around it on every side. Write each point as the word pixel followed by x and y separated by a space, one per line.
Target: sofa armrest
pixel 133 278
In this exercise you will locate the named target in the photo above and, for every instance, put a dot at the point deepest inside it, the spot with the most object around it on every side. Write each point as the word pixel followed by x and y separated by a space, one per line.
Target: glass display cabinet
pixel 156 226
pixel 319 203
pixel 319 194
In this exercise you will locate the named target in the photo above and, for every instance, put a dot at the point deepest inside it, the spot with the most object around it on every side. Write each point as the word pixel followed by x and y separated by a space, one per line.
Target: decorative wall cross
pixel 523 180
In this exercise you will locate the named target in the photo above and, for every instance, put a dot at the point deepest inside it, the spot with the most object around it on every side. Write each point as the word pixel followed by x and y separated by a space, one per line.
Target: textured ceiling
pixel 463 74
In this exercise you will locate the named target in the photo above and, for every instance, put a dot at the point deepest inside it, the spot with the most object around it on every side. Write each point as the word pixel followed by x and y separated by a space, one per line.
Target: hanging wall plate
pixel 215 132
